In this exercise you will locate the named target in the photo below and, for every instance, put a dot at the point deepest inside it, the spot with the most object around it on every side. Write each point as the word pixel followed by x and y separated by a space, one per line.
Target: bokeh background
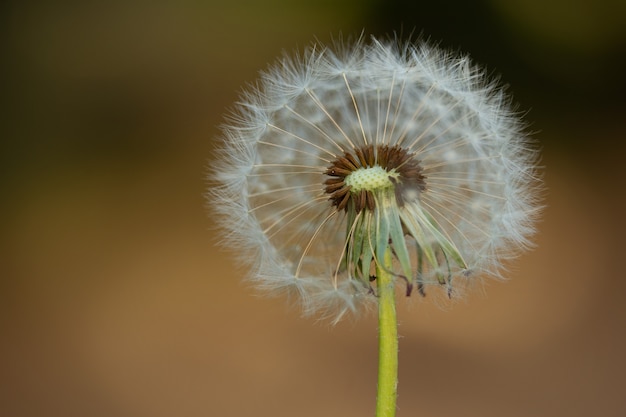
pixel 114 300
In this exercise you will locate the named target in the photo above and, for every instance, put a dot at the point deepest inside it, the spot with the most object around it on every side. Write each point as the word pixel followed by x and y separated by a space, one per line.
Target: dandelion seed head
pixel 338 154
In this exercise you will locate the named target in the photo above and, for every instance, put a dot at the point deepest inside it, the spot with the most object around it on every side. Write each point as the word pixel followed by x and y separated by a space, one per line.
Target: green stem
pixel 387 341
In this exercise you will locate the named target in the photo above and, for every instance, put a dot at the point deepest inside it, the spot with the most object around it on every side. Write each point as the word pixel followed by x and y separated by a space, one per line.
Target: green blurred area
pixel 123 78
pixel 560 57
pixel 113 300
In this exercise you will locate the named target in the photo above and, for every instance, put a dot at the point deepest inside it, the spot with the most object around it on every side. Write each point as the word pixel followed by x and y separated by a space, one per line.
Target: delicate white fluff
pixel 481 184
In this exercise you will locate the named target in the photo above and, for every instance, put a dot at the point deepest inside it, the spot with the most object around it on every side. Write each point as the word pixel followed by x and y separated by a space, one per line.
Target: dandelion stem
pixel 387 340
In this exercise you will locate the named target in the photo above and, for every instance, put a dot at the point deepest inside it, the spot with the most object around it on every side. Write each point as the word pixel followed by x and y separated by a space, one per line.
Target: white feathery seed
pixel 457 195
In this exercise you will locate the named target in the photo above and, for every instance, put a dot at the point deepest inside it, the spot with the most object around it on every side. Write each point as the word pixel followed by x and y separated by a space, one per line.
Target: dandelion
pixel 345 174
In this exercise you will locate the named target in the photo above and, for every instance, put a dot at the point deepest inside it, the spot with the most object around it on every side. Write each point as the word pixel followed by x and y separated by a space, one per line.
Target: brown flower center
pixel 404 173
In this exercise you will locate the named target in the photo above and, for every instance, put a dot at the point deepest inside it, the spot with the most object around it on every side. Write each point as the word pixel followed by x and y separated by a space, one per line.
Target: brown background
pixel 114 301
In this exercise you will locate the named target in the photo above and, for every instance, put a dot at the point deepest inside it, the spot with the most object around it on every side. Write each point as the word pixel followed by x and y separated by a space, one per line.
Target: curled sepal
pixel 360 245
pixel 430 242
pixel 390 215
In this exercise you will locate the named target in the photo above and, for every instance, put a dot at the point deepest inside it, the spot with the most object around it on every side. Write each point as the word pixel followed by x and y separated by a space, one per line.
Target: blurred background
pixel 114 300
